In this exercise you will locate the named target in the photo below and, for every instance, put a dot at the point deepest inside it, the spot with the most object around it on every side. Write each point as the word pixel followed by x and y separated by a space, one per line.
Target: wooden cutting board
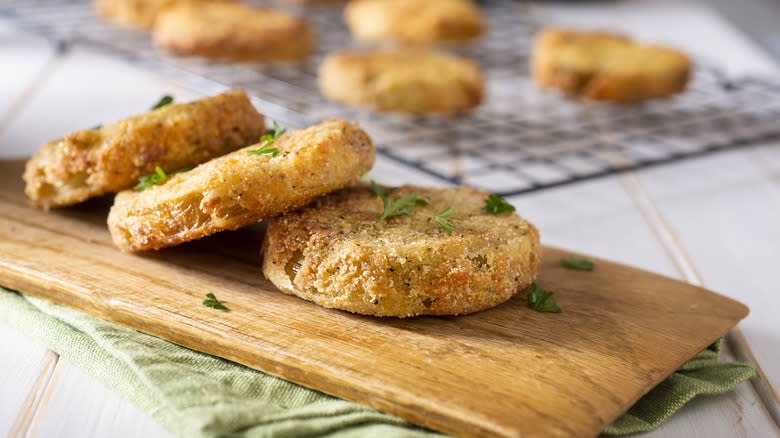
pixel 507 371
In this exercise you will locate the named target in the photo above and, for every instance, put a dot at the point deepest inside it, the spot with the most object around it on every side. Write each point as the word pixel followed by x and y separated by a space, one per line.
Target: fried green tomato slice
pixel 242 188
pixel 112 158
pixel 337 253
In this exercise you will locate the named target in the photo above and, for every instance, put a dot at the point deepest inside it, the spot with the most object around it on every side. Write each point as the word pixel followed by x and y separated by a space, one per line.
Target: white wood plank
pixel 768 157
pixel 79 405
pixel 23 59
pixel 724 210
pixel 22 363
pixel 757 18
pixel 597 218
pixel 87 89
pixel 712 417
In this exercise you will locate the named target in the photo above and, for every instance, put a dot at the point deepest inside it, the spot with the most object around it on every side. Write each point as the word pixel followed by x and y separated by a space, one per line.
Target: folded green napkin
pixel 705 374
pixel 197 395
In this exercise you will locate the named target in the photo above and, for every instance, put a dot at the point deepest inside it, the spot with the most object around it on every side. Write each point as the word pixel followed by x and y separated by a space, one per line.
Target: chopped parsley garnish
pixel 381 191
pixel 213 302
pixel 95 128
pixel 400 205
pixel 542 300
pixel 271 134
pixel 445 224
pixel 264 149
pixel 159 176
pixel 579 264
pixel 165 100
pixel 495 204
pixel 267 140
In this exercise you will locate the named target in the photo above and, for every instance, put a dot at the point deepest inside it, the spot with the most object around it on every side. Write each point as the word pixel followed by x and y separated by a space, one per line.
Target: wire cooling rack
pixel 519 140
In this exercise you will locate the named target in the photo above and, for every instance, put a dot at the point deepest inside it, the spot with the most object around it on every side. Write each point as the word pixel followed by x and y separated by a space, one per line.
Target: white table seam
pixel 36 397
pixel 670 243
pixel 683 262
pixel 661 229
pixel 39 392
pixel 40 409
pixel 768 396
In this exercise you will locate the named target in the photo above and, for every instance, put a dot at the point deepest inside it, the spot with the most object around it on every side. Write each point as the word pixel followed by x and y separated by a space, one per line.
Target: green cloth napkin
pixel 197 395
pixel 705 374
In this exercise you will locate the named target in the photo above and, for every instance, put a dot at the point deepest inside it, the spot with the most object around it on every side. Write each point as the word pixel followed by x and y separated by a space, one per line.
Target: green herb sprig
pixel 159 176
pixel 541 300
pixel 165 100
pixel 264 149
pixel 495 204
pixel 578 264
pixel 213 302
pixel 399 206
pixel 381 191
pixel 445 224
pixel 267 140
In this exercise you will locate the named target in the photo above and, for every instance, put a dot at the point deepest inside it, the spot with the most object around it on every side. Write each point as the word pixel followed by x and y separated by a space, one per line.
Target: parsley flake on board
pixel 579 264
pixel 165 100
pixel 445 224
pixel 401 205
pixel 495 204
pixel 213 302
pixel 267 140
pixel 159 176
pixel 542 300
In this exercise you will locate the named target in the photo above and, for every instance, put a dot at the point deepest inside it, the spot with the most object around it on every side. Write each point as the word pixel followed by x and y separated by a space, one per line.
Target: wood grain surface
pixel 507 371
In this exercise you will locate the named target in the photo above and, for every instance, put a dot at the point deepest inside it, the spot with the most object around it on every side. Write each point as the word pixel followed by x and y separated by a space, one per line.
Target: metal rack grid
pixel 518 140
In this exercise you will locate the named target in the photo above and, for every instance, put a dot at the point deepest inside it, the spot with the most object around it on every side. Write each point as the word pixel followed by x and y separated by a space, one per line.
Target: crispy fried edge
pixel 87 165
pixel 347 76
pixel 173 32
pixel 600 86
pixel 368 277
pixel 440 28
pixel 239 189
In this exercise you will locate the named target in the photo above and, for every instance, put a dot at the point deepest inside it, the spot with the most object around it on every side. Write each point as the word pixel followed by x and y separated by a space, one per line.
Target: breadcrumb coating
pixel 111 158
pixel 240 189
pixel 336 253
pixel 604 66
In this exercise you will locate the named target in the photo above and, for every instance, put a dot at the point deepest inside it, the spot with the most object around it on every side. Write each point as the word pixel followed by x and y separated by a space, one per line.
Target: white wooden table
pixel 713 221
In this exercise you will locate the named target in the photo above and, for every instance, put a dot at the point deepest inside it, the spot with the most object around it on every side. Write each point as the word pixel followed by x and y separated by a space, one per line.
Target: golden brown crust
pixel 604 66
pixel 414 21
pixel 410 80
pixel 92 162
pixel 336 253
pixel 137 13
pixel 233 31
pixel 239 189
pixel 315 2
